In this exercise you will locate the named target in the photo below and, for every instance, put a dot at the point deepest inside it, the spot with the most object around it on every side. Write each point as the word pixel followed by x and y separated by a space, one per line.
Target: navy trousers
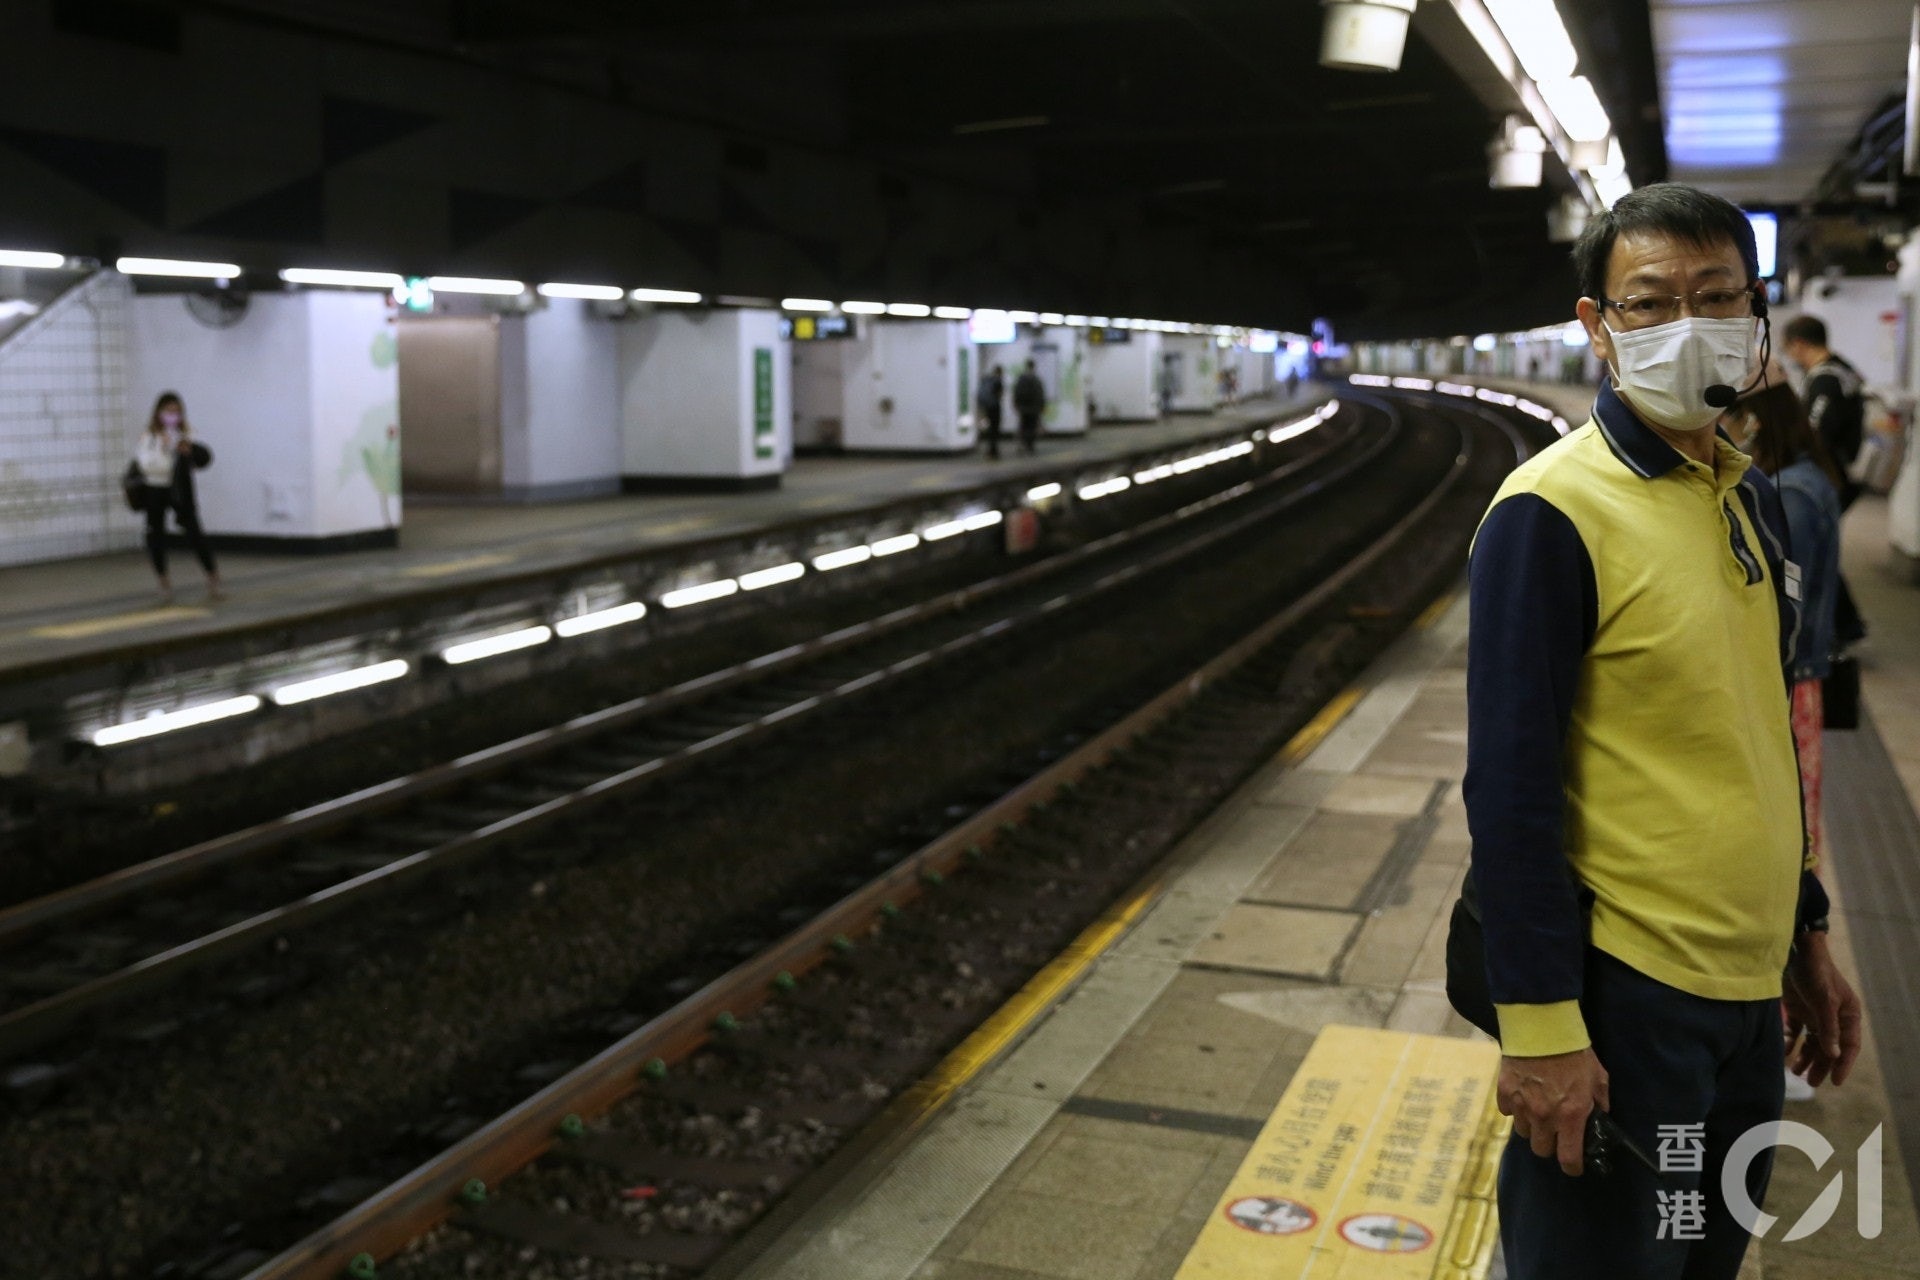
pixel 1671 1059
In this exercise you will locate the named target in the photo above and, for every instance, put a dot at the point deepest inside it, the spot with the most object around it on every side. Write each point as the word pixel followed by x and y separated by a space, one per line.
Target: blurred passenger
pixel 1293 381
pixel 1030 402
pixel 1837 407
pixel 1229 383
pixel 167 458
pixel 1639 892
pixel 988 397
pixel 1771 425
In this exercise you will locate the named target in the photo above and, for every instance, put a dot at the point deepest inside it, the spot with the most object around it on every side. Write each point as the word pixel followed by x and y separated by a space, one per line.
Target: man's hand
pixel 1550 1098
pixel 1823 1013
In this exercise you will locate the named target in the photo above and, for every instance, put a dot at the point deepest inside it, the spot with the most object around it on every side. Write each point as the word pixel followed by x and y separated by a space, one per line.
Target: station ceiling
pixel 1764 97
pixel 1177 159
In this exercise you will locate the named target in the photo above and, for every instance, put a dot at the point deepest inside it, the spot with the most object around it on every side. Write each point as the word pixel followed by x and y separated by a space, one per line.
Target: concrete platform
pixel 1102 1131
pixel 102 606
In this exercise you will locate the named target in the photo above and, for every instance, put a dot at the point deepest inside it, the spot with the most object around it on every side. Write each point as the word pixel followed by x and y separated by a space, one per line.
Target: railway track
pixel 656 1154
pixel 72 957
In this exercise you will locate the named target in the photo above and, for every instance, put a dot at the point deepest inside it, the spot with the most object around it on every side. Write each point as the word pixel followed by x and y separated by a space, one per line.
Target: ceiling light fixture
pixel 328 277
pixel 587 292
pixel 682 296
pixel 1365 35
pixel 177 267
pixel 476 284
pixel 31 258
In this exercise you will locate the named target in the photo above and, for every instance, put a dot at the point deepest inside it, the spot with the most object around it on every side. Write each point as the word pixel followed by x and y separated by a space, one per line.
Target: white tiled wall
pixel 65 436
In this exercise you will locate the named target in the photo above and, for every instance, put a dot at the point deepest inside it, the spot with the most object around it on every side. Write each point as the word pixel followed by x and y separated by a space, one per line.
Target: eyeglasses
pixel 1644 310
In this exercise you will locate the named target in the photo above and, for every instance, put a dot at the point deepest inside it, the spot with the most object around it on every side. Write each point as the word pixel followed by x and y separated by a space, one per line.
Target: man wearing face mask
pixel 1639 848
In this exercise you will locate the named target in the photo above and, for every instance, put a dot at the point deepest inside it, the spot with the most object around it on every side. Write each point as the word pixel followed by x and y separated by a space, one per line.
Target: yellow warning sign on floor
pixel 1358 1170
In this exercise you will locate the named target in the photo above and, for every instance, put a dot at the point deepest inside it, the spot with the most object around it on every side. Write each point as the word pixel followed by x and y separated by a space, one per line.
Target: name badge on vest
pixel 1793 581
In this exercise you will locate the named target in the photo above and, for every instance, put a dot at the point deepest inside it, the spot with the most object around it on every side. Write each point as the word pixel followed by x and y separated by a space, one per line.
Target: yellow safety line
pixel 116 622
pixel 1434 612
pixel 444 567
pixel 1013 1018
pixel 1466 1245
pixel 1301 745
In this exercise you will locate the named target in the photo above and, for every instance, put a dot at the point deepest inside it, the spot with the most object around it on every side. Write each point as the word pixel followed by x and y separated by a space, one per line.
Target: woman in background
pixel 167 459
pixel 1771 425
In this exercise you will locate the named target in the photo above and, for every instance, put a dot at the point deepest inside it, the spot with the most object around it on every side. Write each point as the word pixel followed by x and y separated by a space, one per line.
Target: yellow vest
pixel 1682 786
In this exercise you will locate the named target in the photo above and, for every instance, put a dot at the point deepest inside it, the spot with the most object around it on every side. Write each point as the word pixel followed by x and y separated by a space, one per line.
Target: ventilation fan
pixel 219 306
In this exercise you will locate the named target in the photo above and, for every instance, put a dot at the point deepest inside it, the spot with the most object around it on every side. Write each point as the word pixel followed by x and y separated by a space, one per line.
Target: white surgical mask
pixel 1664 371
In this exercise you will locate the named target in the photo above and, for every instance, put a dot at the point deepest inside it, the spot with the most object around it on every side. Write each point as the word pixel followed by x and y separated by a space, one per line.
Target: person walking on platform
pixel 1639 886
pixel 988 397
pixel 1030 402
pixel 1837 408
pixel 165 463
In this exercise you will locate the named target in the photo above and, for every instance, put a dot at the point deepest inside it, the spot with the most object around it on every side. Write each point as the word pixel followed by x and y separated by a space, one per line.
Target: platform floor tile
pixel 1295 941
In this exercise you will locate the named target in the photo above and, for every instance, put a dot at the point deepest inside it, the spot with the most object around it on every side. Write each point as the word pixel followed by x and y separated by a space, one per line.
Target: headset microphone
pixel 1720 395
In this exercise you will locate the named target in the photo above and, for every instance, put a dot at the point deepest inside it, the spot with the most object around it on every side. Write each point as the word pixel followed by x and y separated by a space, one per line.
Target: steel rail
pixel 24 921
pixel 429 1195
pixel 35 1024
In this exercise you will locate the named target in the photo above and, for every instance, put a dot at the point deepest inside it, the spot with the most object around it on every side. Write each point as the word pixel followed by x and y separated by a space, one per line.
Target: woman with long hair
pixel 167 458
pixel 1771 425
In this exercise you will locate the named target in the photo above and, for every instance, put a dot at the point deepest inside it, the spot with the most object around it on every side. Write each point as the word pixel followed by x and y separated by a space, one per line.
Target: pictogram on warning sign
pixel 1385 1233
pixel 1270 1215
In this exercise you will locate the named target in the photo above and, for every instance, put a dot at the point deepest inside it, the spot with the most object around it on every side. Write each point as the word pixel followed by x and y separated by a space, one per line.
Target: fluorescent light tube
pixel 1577 107
pixel 841 559
pixel 343 279
pixel 492 646
pixel 1041 492
pixel 771 577
pixel 339 682
pixel 168 721
pixel 700 594
pixel 177 267
pixel 951 313
pixel 601 619
pixel 864 308
pixel 672 295
pixel 1536 35
pixel 909 310
pixel 589 292
pixel 895 545
pixel 30 258
pixel 476 284
pixel 805 304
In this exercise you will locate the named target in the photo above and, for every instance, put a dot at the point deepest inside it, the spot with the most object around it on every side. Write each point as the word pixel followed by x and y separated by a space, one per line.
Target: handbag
pixel 1467 987
pixel 134 486
pixel 1840 694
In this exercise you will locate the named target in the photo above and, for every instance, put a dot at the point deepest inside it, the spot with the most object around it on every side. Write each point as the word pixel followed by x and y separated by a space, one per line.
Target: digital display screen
pixel 1766 238
pixel 990 327
pixel 817 328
